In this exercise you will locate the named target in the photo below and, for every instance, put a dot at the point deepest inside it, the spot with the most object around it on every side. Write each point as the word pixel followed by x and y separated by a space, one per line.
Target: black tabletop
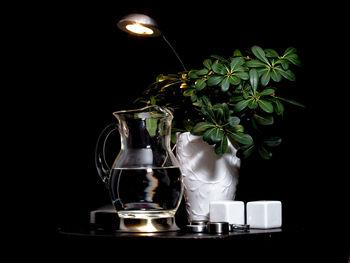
pixel 181 234
pixel 249 246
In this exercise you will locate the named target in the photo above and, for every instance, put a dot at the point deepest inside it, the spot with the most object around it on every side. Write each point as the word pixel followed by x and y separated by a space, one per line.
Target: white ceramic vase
pixel 206 175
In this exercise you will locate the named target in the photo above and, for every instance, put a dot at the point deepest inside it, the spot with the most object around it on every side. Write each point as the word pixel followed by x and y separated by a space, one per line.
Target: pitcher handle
pixel 102 166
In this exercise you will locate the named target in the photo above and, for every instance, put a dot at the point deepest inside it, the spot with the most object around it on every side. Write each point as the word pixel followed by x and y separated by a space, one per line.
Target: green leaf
pixel 236 99
pixel 241 105
pixel 219 112
pixel 246 150
pixel 241 137
pixel 284 63
pixel 153 100
pixel 221 147
pixel 264 120
pixel 253 104
pixel 200 84
pixel 294 59
pixel 202 71
pixel 217 135
pixel 242 75
pixel 246 93
pixel 254 124
pixel 271 53
pixel 207 135
pixel 235 62
pixel 242 68
pixel 288 74
pixel 254 63
pixel 235 80
pixel 201 127
pixel 279 107
pixel 265 78
pixel 237 53
pixel 233 121
pixel 225 84
pixel 151 126
pixel 237 128
pixel 226 110
pixel 291 102
pixel 260 54
pixel 207 63
pixel 219 68
pixel 209 114
pixel 206 101
pixel 194 98
pixel 266 92
pixel 289 51
pixel 275 75
pixel 214 80
pixel 266 106
pixel 265 154
pixel 189 92
pixel 217 106
pixel 193 74
pixel 213 135
pixel 254 78
pixel 272 141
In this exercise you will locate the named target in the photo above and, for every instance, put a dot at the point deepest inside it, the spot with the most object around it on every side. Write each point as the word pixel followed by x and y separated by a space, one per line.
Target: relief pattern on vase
pixel 206 175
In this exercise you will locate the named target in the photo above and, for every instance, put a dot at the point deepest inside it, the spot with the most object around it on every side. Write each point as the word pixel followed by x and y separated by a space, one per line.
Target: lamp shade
pixel 140 25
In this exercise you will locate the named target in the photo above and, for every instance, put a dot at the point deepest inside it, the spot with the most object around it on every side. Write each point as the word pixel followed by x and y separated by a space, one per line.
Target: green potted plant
pixel 229 102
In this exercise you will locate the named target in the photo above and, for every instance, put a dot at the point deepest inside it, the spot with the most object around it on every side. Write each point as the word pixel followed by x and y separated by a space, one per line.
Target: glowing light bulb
pixel 139 29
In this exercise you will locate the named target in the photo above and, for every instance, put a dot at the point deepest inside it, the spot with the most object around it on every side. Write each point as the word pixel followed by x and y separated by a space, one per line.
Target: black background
pixel 89 69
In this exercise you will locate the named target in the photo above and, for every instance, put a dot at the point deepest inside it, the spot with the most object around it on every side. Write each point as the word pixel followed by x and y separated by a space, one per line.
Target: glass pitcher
pixel 144 182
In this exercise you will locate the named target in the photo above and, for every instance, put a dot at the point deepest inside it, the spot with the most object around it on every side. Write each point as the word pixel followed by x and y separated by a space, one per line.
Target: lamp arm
pixel 173 49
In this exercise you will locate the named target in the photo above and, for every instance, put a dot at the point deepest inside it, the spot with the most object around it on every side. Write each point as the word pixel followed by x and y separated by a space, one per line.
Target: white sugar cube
pixel 264 214
pixel 226 211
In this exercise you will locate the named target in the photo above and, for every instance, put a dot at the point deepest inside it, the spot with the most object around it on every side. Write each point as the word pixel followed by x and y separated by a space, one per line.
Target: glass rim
pixel 164 110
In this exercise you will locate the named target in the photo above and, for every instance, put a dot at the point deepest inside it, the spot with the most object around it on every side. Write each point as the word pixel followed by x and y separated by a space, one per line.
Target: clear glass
pixel 145 180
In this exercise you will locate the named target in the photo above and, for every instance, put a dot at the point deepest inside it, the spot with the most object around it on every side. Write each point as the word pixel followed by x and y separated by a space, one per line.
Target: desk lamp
pixel 144 26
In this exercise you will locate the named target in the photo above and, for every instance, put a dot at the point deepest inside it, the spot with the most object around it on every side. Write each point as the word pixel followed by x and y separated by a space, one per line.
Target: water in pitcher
pixel 153 191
